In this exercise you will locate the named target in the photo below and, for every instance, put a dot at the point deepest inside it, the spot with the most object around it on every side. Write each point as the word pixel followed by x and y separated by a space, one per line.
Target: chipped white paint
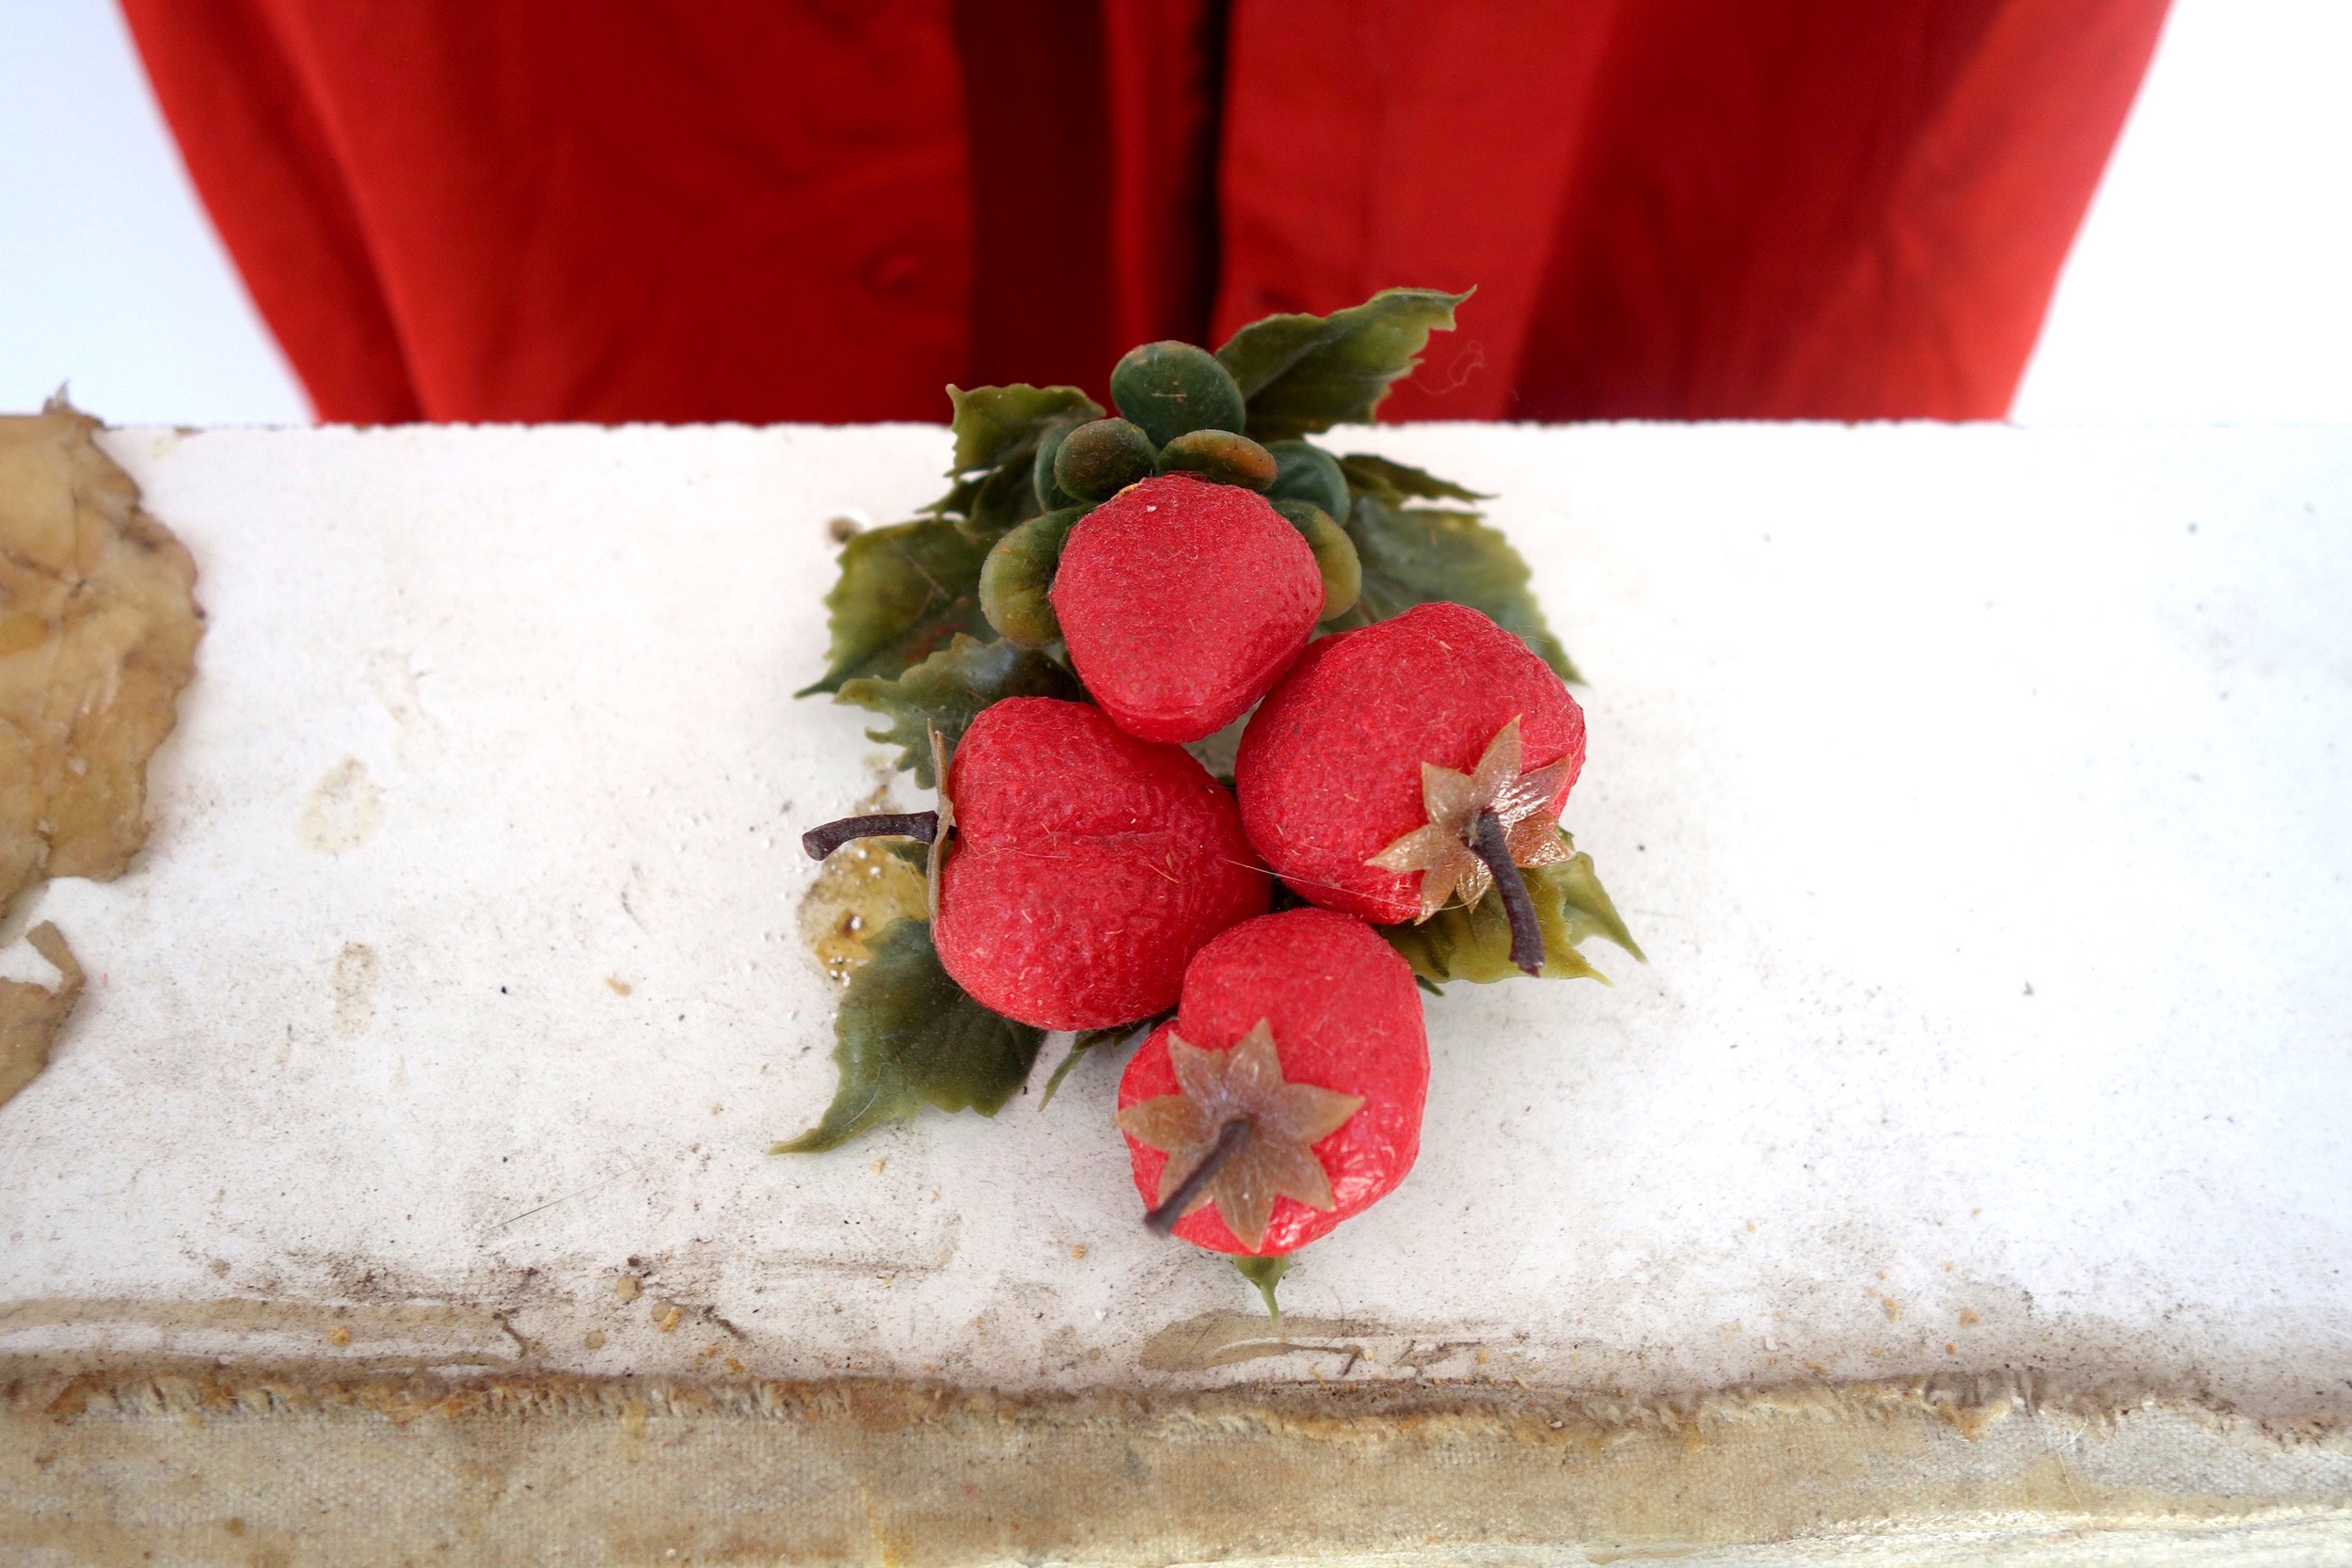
pixel 1977 793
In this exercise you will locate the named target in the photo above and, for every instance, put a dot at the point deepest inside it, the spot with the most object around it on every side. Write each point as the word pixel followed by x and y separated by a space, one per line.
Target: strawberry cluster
pixel 1150 579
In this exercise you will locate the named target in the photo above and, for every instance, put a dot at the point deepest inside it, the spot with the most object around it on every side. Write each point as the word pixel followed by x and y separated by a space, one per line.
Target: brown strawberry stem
pixel 1230 1139
pixel 1527 933
pixel 922 826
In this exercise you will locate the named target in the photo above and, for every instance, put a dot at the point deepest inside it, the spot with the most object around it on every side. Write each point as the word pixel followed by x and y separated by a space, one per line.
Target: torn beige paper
pixel 98 632
pixel 31 1015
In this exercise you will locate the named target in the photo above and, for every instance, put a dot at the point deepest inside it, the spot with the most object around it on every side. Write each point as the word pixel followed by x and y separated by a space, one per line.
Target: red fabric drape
pixel 823 210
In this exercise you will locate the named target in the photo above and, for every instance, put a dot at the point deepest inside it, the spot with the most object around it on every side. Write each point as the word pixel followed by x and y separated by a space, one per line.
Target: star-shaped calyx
pixel 1237 1135
pixel 1482 825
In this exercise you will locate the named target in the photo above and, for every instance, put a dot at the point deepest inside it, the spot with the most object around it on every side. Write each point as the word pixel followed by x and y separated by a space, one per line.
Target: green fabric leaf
pixel 904 591
pixel 1087 1041
pixel 1401 480
pixel 992 423
pixel 948 692
pixel 1474 944
pixel 1412 555
pixel 1001 502
pixel 908 1036
pixel 1305 373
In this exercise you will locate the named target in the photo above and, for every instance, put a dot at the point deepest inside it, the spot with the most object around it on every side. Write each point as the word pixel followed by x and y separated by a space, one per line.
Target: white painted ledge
pixel 1978 794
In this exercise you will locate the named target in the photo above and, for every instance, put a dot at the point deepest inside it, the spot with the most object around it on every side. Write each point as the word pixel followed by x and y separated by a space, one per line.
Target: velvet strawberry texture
pixel 1086 867
pixel 1332 769
pixel 1097 590
pixel 1182 601
pixel 1298 1061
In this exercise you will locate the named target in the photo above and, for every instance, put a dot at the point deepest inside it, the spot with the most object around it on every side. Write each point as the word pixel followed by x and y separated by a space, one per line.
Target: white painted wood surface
pixel 1978 794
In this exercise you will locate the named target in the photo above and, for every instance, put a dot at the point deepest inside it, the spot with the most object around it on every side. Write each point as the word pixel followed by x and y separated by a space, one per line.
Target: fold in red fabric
pixel 826 210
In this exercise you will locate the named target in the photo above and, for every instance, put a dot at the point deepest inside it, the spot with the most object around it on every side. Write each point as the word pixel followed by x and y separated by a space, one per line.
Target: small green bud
pixel 1098 460
pixel 1051 496
pixel 1220 455
pixel 1173 389
pixel 1305 473
pixel 1019 573
pixel 1335 554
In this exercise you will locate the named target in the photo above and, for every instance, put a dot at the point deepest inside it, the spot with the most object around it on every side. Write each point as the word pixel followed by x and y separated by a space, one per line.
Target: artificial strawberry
pixel 1077 869
pixel 1182 601
pixel 1286 1095
pixel 1404 765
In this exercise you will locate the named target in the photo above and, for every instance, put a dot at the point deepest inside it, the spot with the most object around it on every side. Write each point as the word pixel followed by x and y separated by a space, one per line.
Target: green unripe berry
pixel 1173 389
pixel 1051 496
pixel 1219 455
pixel 1342 570
pixel 1018 574
pixel 1100 459
pixel 1305 473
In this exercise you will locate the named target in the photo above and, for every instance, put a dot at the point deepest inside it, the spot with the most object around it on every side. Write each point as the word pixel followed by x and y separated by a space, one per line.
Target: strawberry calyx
pixel 1484 826
pixel 1236 1135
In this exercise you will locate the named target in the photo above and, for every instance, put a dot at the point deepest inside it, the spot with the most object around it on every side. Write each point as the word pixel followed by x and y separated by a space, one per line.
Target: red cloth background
pixel 827 208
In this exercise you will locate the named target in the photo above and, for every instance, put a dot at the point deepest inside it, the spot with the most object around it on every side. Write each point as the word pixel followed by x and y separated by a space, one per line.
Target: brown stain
pixel 861 889
pixel 342 810
pixel 504 1468
pixel 1224 1338
pixel 355 969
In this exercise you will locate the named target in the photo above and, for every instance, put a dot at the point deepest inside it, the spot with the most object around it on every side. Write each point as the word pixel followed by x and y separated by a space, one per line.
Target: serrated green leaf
pixel 1002 501
pixel 1304 373
pixel 947 692
pixel 1401 481
pixel 908 1036
pixel 1474 944
pixel 904 591
pixel 992 423
pixel 1413 555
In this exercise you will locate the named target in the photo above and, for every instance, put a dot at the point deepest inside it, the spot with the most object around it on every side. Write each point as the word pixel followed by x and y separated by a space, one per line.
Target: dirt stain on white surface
pixel 343 810
pixel 393 677
pixel 355 969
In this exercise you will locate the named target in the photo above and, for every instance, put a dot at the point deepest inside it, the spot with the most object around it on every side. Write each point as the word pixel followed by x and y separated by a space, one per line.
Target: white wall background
pixel 2210 284
pixel 110 275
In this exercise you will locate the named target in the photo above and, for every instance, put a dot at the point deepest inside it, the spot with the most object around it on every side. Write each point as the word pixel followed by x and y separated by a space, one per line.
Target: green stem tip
pixel 1265 1274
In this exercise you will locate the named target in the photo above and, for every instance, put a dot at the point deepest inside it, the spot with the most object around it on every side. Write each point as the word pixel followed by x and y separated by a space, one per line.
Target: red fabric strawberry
pixel 1182 601
pixel 1086 868
pixel 1298 1065
pixel 1335 770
